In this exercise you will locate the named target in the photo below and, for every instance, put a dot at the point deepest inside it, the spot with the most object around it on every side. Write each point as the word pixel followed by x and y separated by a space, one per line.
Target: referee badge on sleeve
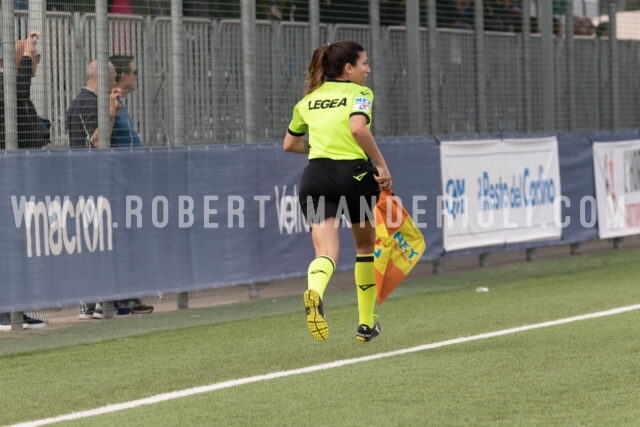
pixel 362 105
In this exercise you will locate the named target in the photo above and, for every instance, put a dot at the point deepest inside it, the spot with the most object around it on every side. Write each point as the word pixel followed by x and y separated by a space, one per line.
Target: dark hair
pixel 328 61
pixel 121 63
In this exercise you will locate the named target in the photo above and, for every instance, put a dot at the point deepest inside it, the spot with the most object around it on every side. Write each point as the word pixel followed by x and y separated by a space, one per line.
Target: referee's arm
pixel 295 143
pixel 364 138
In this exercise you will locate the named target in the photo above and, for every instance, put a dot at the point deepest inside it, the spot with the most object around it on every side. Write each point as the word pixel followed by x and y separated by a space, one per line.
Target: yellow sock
pixel 319 273
pixel 366 286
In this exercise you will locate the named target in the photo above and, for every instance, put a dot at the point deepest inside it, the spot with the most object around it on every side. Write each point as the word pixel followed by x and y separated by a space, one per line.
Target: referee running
pixel 343 176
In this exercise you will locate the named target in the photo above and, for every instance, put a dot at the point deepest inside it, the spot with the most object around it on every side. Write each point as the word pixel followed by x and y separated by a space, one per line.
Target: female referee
pixel 340 177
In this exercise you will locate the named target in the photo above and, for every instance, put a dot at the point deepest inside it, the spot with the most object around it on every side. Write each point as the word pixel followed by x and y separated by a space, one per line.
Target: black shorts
pixel 331 187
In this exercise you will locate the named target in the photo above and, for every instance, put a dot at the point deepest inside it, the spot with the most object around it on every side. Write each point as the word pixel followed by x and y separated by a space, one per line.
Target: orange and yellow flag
pixel 399 244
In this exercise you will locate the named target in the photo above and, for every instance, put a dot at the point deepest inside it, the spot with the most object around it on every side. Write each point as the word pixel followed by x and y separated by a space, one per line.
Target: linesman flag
pixel 399 244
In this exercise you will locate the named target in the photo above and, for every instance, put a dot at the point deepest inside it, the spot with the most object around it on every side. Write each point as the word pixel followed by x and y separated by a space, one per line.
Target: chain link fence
pixel 482 80
pixel 237 68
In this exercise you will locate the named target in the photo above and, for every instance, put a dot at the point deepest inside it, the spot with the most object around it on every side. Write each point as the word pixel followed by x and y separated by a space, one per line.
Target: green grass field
pixel 575 374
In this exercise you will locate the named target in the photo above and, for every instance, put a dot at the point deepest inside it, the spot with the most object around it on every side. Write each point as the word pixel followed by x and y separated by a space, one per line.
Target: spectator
pixel 60 5
pixel 124 132
pixel 558 27
pixel 511 15
pixel 27 60
pixel 30 134
pixel 602 30
pixel 5 318
pixel 82 114
pixel 455 14
pixel 589 28
pixel 493 13
pixel 465 15
pixel 269 9
pixel 447 13
pixel 579 28
pixel 82 125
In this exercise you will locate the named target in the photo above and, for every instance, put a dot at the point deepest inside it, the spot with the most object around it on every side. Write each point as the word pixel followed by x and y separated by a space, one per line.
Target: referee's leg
pixel 364 274
pixel 326 241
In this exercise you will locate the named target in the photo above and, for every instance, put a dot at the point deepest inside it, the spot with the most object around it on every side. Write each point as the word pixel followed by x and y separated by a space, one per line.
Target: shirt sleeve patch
pixel 362 105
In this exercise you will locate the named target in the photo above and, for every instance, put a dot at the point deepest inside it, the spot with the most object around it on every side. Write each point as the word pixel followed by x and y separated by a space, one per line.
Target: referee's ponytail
pixel 315 73
pixel 328 61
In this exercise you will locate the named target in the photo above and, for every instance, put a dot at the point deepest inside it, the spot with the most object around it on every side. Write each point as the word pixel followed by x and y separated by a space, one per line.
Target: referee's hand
pixel 383 178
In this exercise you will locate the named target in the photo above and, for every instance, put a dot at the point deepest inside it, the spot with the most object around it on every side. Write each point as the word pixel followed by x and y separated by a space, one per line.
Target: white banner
pixel 500 191
pixel 617 177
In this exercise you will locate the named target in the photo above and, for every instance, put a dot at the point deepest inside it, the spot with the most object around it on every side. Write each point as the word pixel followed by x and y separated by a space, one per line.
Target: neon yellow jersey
pixel 325 113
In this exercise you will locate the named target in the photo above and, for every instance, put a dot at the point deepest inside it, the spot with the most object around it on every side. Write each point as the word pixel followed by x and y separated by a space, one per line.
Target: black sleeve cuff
pixel 357 113
pixel 295 133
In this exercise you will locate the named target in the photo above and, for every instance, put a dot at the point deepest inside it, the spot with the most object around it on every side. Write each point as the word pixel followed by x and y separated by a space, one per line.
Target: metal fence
pixel 481 87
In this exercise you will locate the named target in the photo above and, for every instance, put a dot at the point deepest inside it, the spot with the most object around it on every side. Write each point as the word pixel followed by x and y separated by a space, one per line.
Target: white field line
pixel 338 363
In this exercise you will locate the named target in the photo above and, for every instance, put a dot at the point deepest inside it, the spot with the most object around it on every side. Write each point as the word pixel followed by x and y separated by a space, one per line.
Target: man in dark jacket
pixel 82 114
pixel 30 134
pixel 27 135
